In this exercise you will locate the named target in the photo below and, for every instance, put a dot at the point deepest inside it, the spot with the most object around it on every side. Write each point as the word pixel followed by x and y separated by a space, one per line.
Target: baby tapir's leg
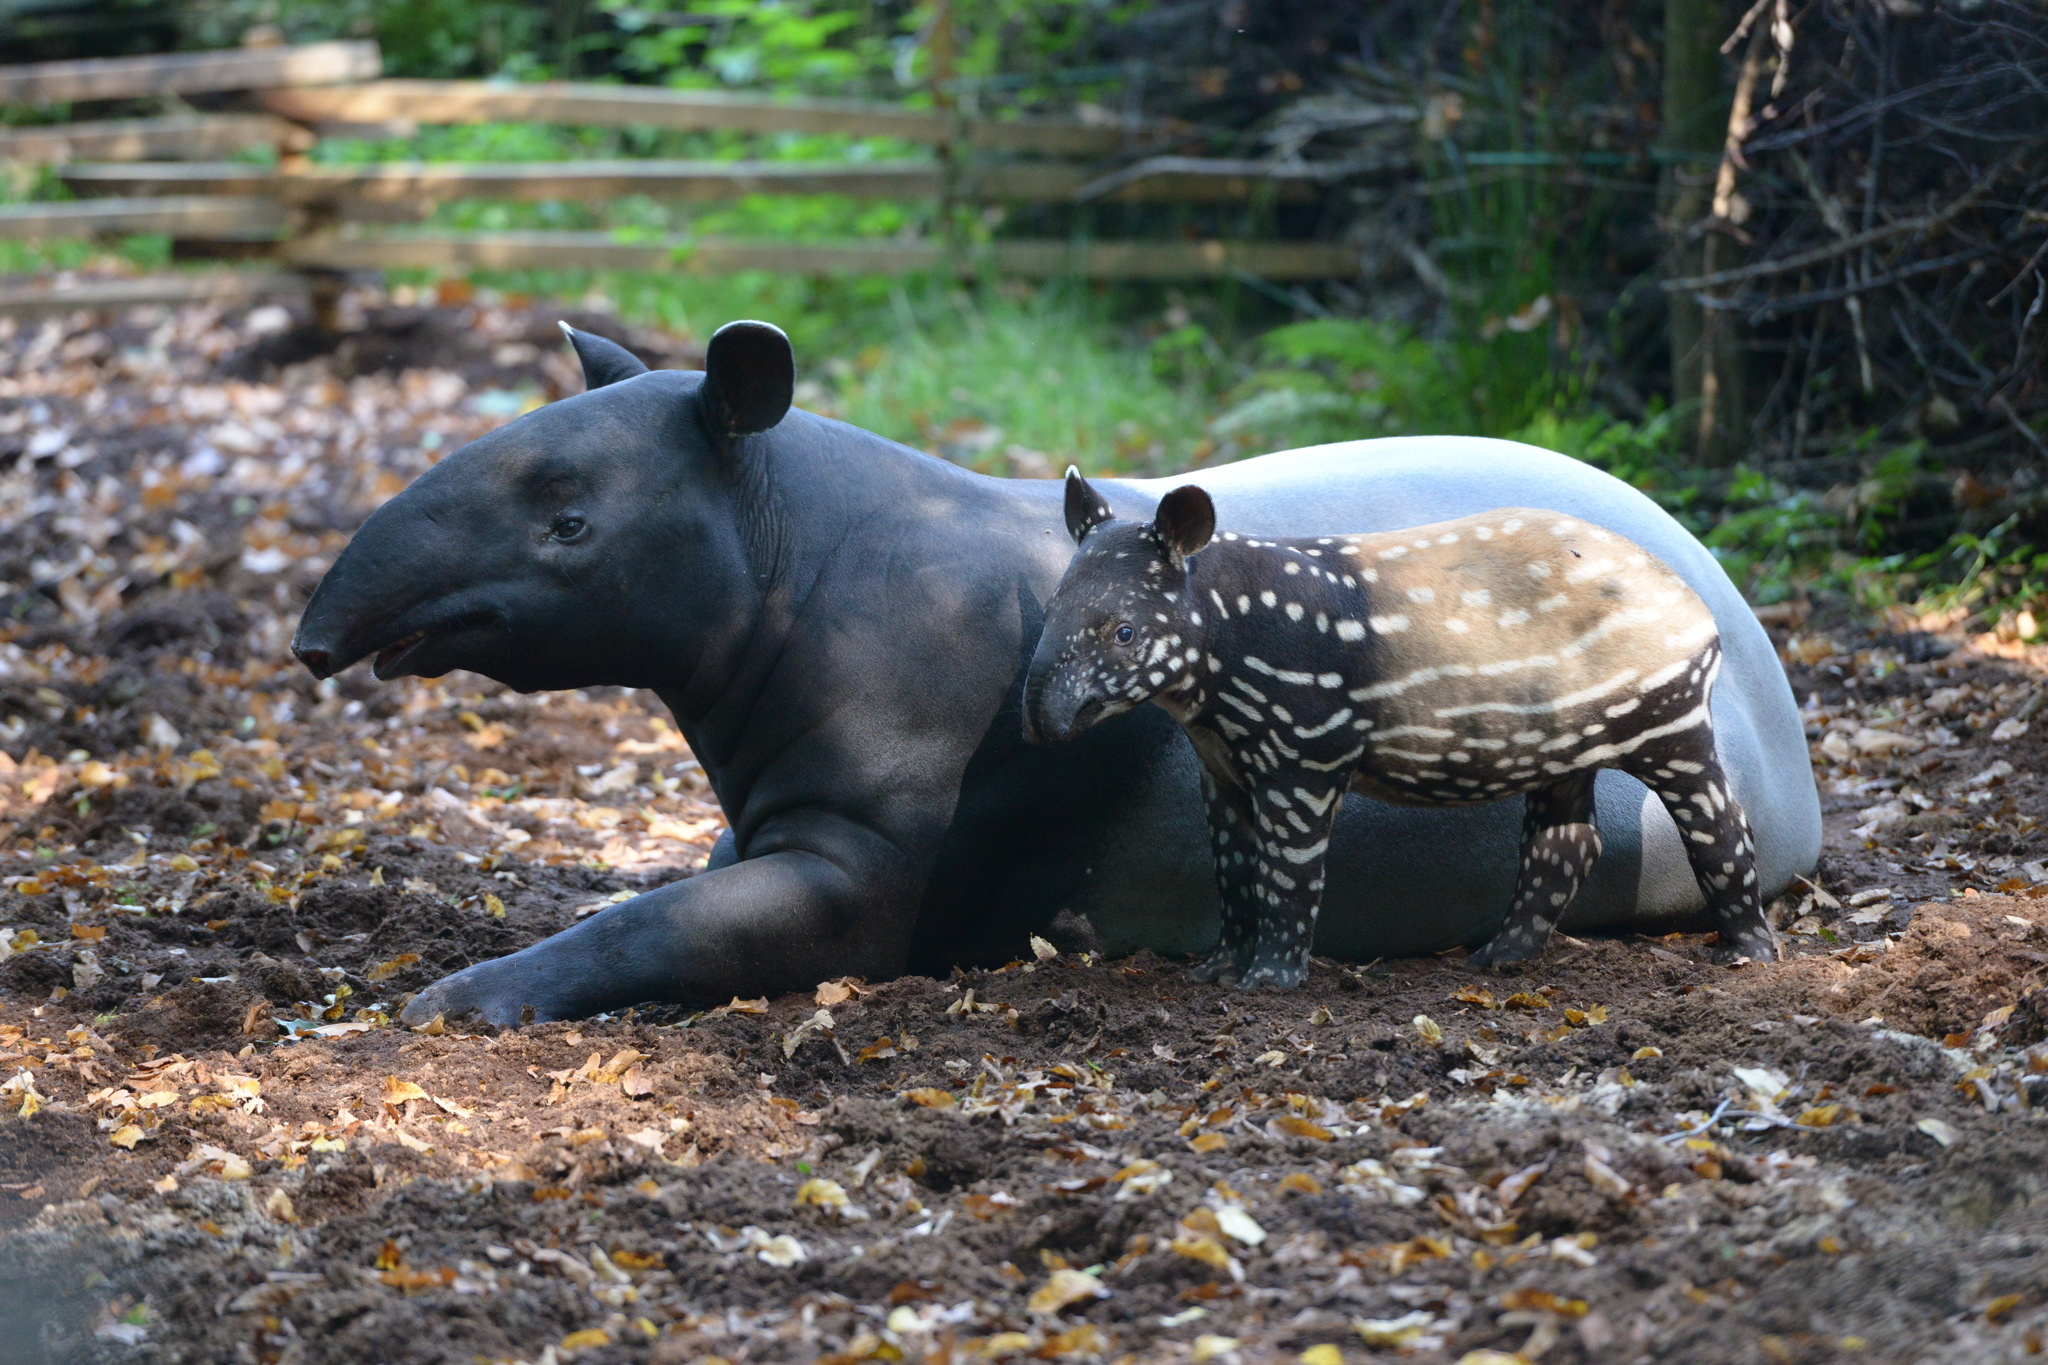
pixel 1559 847
pixel 1234 847
pixel 1686 775
pixel 1294 813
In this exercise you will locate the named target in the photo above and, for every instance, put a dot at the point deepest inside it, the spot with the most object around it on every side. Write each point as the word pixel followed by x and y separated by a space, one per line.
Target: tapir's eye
pixel 1124 634
pixel 567 527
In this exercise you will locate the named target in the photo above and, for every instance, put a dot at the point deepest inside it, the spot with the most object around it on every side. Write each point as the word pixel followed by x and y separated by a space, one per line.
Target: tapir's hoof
pixel 486 990
pixel 1220 965
pixel 1750 946
pixel 1504 953
pixel 1273 976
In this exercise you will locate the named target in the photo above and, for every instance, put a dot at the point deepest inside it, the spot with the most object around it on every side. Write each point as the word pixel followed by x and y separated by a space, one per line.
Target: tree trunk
pixel 1707 388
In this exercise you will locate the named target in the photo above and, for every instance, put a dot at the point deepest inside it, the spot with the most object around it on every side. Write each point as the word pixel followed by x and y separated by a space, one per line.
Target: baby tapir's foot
pixel 1508 949
pixel 1219 965
pixel 1752 943
pixel 1273 973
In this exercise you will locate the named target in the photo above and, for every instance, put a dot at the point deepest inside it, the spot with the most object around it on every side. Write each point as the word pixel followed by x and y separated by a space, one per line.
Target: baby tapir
pixel 1513 652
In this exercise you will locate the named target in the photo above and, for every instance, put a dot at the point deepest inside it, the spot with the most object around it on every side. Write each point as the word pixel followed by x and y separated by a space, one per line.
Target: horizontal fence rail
pixel 180 215
pixel 190 137
pixel 416 102
pixel 601 251
pixel 219 286
pixel 188 73
pixel 305 223
pixel 423 185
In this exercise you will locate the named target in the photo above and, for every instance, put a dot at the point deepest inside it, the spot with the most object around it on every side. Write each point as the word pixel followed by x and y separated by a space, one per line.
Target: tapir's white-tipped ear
pixel 749 377
pixel 1185 522
pixel 1085 508
pixel 604 362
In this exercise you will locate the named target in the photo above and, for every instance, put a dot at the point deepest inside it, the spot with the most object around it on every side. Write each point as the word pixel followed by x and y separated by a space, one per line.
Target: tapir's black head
pixel 1121 628
pixel 532 554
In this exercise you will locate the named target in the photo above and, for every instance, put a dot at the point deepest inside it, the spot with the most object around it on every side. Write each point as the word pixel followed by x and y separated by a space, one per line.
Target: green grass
pixel 1041 370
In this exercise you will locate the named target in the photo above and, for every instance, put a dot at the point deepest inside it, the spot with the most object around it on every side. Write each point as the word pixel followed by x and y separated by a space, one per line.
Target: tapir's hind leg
pixel 1559 847
pixel 1687 777
pixel 1234 847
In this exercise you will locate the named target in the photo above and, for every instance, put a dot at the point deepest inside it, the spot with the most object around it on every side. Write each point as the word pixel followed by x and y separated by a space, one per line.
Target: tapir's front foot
pixel 1273 973
pixel 1507 950
pixel 500 991
pixel 1219 966
pixel 1751 943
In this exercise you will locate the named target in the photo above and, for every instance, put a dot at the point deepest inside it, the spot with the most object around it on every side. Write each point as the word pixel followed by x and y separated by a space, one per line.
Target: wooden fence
pixel 310 222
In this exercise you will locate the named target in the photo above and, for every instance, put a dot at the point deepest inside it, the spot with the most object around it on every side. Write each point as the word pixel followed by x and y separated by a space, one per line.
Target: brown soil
pixel 218 881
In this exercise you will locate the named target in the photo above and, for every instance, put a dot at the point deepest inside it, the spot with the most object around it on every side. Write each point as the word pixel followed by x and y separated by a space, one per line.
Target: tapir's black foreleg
pixel 1687 777
pixel 1560 844
pixel 1294 813
pixel 1234 848
pixel 779 922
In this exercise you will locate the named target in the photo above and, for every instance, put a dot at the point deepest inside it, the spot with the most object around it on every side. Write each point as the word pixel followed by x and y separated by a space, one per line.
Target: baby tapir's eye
pixel 567 527
pixel 1124 634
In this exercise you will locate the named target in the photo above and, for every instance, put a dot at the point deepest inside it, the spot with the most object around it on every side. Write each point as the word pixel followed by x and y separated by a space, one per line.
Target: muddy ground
pixel 219 880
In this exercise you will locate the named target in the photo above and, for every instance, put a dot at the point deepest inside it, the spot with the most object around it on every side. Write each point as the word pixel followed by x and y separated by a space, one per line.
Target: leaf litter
pixel 220 881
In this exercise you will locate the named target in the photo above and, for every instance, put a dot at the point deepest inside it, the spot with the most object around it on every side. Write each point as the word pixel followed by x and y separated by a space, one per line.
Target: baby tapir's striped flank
pixel 1516 652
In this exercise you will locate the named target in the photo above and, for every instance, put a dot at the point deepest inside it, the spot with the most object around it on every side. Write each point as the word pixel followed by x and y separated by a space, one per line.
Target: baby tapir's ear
pixel 1185 521
pixel 604 362
pixel 1085 508
pixel 749 377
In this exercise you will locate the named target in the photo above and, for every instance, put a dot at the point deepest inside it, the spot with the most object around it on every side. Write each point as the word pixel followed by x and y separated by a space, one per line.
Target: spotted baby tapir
pixel 1516 652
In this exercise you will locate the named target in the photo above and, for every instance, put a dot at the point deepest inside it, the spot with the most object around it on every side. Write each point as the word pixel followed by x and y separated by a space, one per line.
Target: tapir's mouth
pixel 389 656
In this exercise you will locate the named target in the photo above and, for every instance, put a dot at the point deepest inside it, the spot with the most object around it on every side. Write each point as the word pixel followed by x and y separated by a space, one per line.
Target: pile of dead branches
pixel 1887 177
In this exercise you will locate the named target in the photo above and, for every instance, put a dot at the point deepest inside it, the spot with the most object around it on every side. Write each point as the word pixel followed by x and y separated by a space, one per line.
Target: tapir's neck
pixel 1261 602
pixel 815 505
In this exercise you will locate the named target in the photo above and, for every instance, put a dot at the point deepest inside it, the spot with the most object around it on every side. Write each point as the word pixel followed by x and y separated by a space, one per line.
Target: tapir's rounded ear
pixel 604 362
pixel 1185 522
pixel 749 377
pixel 1085 508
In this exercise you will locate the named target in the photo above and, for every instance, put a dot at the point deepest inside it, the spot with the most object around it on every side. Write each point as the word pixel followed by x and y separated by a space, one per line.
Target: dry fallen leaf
pixel 1530 1300
pixel 1209 1142
pixel 1401 1334
pixel 986 1206
pixel 1205 1249
pixel 822 1193
pixel 1239 1226
pixel 830 993
pixel 398 1092
pixel 1605 1178
pixel 1427 1028
pixel 930 1096
pixel 1300 1127
pixel 1939 1131
pixel 1065 1288
pixel 1043 950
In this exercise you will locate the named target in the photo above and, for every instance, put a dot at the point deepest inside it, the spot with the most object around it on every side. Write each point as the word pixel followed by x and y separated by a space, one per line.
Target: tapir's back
pixel 1518 603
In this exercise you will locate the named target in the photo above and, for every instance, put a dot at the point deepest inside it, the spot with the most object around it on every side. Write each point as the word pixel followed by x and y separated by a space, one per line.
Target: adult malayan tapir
pixel 841 627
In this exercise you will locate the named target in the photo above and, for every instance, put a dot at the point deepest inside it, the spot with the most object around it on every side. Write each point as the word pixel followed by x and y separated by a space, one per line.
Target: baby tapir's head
pixel 1122 627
